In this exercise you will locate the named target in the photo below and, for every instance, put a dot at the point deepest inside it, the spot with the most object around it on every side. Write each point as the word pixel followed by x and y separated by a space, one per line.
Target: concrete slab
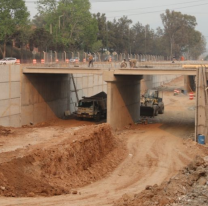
pixel 4 73
pixel 27 112
pixel 15 120
pixel 15 106
pixel 4 90
pixel 15 73
pixel 15 90
pixel 5 108
pixel 5 121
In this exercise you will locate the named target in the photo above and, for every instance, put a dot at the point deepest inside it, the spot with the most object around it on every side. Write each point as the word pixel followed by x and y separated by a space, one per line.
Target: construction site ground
pixel 84 163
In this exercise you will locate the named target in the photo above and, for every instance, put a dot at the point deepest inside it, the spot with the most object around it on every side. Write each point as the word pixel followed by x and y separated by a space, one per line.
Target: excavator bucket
pixel 146 111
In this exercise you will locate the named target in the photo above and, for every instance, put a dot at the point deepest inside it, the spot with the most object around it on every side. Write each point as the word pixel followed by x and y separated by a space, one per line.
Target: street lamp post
pixel 55 55
pixel 64 56
pixel 60 22
pixel 44 56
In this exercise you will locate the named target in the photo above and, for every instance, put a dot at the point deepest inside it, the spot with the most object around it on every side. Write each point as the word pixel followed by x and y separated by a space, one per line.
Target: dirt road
pixel 156 152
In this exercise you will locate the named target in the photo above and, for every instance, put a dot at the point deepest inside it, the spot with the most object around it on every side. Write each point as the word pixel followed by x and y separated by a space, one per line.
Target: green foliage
pixel 14 17
pixel 96 46
pixel 180 33
pixel 69 21
pixel 206 58
pixel 40 38
pixel 68 25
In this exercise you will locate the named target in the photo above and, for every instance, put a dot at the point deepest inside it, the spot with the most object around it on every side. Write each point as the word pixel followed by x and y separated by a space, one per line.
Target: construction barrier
pixel 18 61
pixel 84 60
pixel 191 95
pixel 42 61
pixel 34 61
pixel 67 60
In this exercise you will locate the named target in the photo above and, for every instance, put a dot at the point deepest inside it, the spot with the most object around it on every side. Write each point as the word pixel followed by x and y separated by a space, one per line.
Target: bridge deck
pixel 137 71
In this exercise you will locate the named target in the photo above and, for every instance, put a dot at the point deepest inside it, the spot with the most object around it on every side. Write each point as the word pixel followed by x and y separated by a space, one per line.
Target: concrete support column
pixel 123 99
pixel 201 103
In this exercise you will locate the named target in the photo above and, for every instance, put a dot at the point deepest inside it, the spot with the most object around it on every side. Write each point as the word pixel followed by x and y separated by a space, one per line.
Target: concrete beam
pixel 59 70
pixel 147 70
pixel 155 71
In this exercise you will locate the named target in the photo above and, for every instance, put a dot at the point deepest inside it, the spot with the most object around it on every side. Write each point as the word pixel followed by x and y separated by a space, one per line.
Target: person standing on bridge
pixel 90 60
pixel 132 63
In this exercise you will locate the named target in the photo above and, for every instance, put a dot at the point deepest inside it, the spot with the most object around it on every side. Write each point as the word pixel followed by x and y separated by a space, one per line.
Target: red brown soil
pixel 84 157
pixel 171 191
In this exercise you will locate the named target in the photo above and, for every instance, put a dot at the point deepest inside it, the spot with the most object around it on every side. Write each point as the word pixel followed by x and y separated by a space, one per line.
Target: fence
pixel 53 56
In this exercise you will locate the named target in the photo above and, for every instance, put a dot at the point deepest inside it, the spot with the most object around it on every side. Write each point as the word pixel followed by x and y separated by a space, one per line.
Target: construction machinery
pixel 151 104
pixel 94 107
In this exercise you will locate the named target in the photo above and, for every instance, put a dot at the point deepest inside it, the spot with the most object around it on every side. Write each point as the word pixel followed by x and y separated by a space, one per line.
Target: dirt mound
pixel 179 189
pixel 5 131
pixel 86 156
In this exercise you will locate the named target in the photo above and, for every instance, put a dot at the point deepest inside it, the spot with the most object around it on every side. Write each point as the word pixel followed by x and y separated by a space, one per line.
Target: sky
pixel 146 11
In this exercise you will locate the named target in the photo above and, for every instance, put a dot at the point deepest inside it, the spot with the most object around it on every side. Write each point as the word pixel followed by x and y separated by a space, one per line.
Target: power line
pixel 150 12
pixel 150 7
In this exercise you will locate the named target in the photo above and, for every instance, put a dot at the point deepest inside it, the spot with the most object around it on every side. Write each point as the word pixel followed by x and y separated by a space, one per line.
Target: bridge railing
pixel 65 56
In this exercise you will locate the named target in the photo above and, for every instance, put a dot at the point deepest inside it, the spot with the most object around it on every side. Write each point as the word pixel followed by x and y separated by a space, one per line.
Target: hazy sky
pixel 146 11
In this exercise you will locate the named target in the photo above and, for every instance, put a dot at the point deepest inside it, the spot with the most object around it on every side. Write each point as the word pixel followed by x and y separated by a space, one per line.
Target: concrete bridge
pixel 123 89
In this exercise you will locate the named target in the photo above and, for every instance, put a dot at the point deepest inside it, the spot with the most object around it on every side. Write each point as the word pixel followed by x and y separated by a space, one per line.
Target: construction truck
pixel 151 104
pixel 94 107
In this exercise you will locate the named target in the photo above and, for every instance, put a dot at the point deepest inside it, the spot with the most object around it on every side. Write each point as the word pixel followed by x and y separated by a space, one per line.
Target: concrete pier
pixel 123 101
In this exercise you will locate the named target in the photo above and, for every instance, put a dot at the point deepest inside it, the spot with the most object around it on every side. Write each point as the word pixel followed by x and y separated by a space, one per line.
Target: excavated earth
pixel 87 155
pixel 80 163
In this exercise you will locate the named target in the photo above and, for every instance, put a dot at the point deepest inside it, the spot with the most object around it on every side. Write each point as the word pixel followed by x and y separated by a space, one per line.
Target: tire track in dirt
pixel 154 158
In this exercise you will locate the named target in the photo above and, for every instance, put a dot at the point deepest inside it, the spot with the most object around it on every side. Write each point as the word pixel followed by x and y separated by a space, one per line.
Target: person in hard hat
pixel 132 63
pixel 90 60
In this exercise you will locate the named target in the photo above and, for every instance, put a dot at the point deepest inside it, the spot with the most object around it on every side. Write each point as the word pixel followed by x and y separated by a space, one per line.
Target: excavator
pixel 151 104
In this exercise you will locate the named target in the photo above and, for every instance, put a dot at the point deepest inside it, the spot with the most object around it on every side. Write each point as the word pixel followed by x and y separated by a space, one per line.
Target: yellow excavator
pixel 151 104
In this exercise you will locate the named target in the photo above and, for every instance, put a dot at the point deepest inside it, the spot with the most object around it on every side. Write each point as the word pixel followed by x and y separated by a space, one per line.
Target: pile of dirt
pixel 87 155
pixel 187 188
pixel 5 131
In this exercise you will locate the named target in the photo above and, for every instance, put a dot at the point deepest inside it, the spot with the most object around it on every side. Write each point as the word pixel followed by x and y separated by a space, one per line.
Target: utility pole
pixel 60 21
pixel 107 35
pixel 51 29
pixel 145 34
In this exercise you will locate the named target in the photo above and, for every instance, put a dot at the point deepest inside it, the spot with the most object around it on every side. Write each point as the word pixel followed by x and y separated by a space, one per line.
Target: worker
pixel 123 63
pixel 90 60
pixel 173 60
pixel 132 63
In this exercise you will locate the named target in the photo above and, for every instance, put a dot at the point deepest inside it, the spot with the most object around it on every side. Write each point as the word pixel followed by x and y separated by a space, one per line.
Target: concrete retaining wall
pixel 154 81
pixel 10 96
pixel 44 96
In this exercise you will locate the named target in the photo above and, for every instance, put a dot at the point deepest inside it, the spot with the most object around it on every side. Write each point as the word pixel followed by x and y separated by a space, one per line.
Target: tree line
pixel 68 25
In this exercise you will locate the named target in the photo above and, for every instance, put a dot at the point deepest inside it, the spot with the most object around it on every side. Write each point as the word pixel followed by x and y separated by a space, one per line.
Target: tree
pixel 102 29
pixel 71 22
pixel 14 17
pixel 40 38
pixel 118 35
pixel 197 46
pixel 177 28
